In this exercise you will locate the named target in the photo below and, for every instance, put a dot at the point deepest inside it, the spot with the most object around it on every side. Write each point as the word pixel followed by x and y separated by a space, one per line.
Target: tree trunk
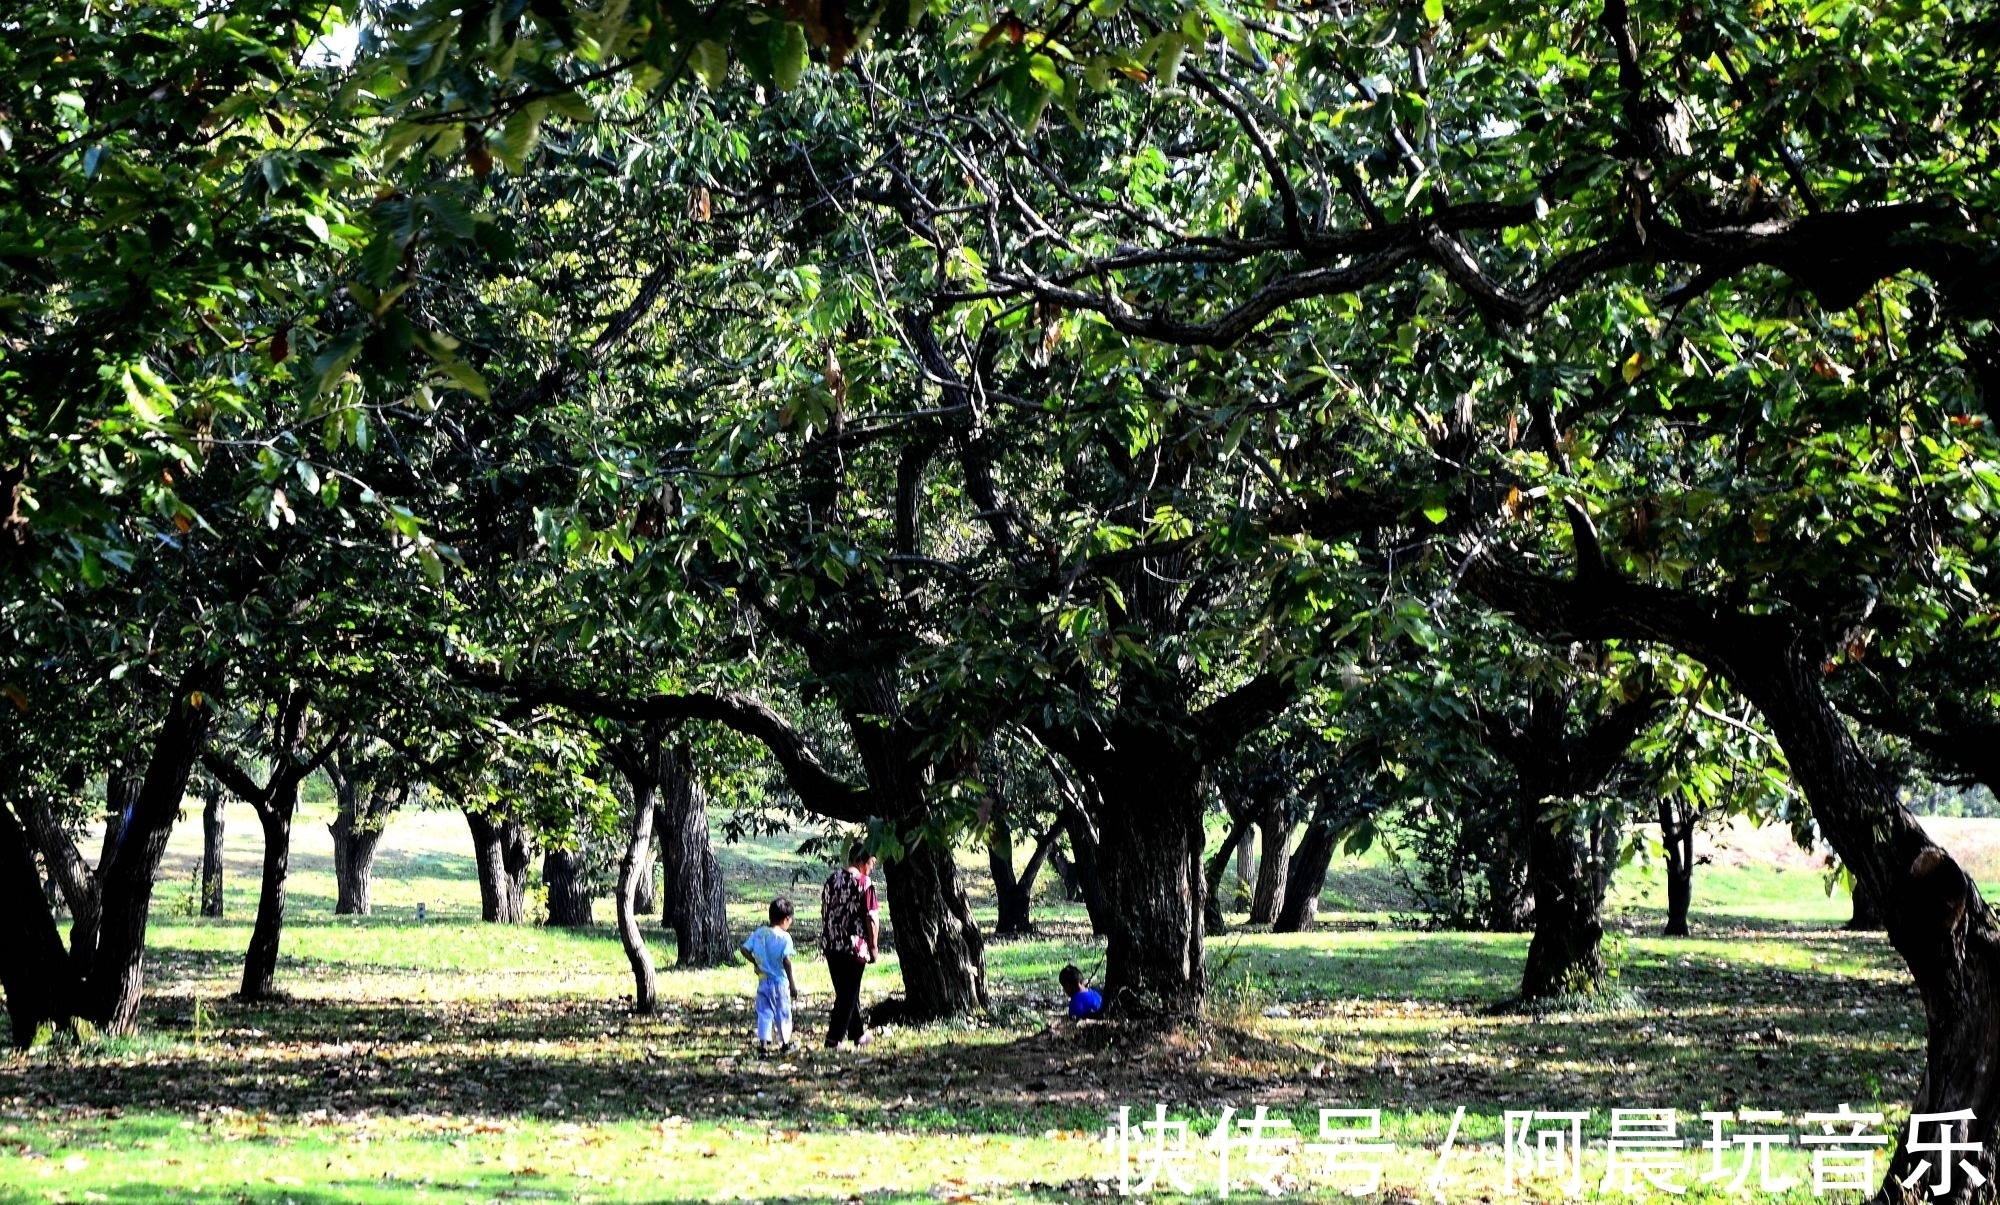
pixel 1307 877
pixel 364 801
pixel 634 869
pixel 500 855
pixel 111 993
pixel 1149 857
pixel 1867 914
pixel 938 946
pixel 74 877
pixel 566 874
pixel 213 800
pixel 1677 825
pixel 1566 955
pixel 1084 873
pixel 121 790
pixel 692 887
pixel 260 962
pixel 646 892
pixel 1015 893
pixel 353 863
pixel 1273 862
pixel 35 970
pixel 1233 844
pixel 1934 913
pixel 1011 902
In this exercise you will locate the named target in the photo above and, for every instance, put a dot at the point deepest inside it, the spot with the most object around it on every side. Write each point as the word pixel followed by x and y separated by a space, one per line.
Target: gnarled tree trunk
pixel 500 857
pixel 942 955
pixel 1149 860
pixel 566 874
pixel 692 891
pixel 1566 955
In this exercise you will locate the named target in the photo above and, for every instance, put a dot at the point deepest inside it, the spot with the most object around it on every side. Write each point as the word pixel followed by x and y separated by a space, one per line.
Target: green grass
pixel 454 1061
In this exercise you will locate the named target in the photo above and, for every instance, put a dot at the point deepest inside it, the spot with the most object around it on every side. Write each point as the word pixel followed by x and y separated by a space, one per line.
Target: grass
pixel 453 1061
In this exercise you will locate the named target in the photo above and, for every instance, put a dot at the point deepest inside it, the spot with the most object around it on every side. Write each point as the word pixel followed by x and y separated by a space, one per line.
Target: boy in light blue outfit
pixel 769 950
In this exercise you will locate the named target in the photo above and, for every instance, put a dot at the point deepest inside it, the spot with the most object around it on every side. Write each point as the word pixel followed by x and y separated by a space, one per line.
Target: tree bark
pixel 1867 914
pixel 1566 955
pixel 1677 827
pixel 260 961
pixel 1084 875
pixel 213 800
pixel 646 891
pixel 1274 858
pixel 692 878
pixel 35 969
pixel 354 848
pixel 565 873
pixel 1149 860
pixel 1011 902
pixel 500 856
pixel 942 955
pixel 633 870
pixel 109 996
pixel 1310 862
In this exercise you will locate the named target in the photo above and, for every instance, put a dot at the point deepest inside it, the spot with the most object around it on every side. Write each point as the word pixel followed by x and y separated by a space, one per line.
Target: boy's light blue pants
pixel 774 1011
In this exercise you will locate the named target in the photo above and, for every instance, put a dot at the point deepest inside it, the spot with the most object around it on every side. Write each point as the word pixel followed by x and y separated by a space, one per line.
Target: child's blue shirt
pixel 1086 1003
pixel 770 947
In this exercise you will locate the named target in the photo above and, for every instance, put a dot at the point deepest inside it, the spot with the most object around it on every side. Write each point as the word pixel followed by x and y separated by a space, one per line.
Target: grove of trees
pixel 1072 430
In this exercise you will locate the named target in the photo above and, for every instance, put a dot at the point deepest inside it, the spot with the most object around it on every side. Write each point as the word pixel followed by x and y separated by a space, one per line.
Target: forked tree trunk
pixel 213 800
pixel 500 857
pixel 1015 893
pixel 565 873
pixel 1010 901
pixel 260 961
pixel 121 792
pixel 938 947
pixel 1677 827
pixel 109 996
pixel 364 800
pixel 633 869
pixel 694 903
pixel 1274 857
